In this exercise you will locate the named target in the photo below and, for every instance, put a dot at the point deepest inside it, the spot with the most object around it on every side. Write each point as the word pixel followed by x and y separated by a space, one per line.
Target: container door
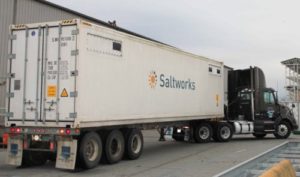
pixel 42 74
pixel 25 74
pixel 59 68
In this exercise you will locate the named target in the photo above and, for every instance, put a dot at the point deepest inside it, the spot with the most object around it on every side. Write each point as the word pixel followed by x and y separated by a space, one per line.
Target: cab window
pixel 268 98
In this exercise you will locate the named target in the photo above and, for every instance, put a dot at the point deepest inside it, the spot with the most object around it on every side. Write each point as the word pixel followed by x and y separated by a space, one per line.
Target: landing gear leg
pixel 162 135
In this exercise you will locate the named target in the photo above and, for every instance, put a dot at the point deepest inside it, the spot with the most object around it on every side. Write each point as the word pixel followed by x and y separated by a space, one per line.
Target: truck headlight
pixel 36 137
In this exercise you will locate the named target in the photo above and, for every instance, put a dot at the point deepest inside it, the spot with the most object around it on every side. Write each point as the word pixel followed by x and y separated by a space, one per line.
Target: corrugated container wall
pixel 20 12
pixel 6 18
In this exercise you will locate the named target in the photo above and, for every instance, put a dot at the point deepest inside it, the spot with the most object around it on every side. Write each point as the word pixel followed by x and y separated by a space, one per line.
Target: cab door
pixel 269 105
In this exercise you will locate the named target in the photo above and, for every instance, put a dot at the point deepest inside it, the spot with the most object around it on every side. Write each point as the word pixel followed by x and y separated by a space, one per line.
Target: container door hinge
pixel 12 56
pixel 73 115
pixel 12 37
pixel 74 73
pixel 11 75
pixel 74 52
pixel 75 32
pixel 73 94
pixel 10 95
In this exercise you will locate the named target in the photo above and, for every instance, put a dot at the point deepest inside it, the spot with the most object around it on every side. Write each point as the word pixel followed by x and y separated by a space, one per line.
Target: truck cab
pixel 254 108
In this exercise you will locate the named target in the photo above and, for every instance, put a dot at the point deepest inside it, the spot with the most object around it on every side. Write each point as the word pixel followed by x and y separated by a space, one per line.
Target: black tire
pixel 114 146
pixel 223 132
pixel 203 133
pixel 34 158
pixel 90 150
pixel 259 135
pixel 134 144
pixel 282 130
pixel 177 136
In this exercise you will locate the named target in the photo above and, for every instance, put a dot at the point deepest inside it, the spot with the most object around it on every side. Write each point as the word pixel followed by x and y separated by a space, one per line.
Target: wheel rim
pixel 136 144
pixel 115 147
pixel 225 132
pixel 203 133
pixel 91 150
pixel 282 130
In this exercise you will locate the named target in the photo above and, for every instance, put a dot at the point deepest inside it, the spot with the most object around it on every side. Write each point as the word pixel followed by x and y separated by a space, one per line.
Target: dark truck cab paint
pixel 250 100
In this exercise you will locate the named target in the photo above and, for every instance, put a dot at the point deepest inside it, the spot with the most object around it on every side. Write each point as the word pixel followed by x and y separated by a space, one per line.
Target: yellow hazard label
pixel 51 91
pixel 64 93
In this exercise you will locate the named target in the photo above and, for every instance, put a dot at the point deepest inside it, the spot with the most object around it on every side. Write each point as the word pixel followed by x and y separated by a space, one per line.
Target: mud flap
pixel 14 151
pixel 66 154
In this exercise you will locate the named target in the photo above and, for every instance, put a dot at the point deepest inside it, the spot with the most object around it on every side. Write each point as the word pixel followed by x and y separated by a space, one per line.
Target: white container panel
pixel 25 84
pixel 59 101
pixel 122 79
pixel 117 84
pixel 44 71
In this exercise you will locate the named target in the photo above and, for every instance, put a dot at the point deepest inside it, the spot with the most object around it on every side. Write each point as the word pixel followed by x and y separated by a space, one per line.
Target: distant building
pixel 32 11
pixel 292 84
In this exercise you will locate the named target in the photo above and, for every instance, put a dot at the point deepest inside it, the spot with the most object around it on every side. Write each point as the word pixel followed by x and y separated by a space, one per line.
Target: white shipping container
pixel 80 74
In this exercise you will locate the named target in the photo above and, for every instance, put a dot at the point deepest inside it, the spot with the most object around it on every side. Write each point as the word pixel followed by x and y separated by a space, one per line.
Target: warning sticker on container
pixel 217 100
pixel 64 93
pixel 51 92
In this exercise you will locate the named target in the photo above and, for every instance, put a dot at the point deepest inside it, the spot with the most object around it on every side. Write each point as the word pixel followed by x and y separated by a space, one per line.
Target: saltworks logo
pixel 169 81
pixel 152 79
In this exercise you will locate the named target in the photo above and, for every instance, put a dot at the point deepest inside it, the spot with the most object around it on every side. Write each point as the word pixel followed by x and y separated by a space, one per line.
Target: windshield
pixel 269 98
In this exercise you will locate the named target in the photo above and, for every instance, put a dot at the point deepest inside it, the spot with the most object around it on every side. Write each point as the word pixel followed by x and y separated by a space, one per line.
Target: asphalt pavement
pixel 163 159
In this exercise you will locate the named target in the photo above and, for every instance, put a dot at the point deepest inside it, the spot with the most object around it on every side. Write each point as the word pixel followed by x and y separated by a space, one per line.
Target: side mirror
pixel 293 105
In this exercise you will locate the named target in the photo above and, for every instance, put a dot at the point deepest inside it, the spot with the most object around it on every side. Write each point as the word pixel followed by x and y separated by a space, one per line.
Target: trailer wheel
pixel 282 130
pixel 134 144
pixel 259 135
pixel 203 133
pixel 34 158
pixel 223 132
pixel 90 150
pixel 114 146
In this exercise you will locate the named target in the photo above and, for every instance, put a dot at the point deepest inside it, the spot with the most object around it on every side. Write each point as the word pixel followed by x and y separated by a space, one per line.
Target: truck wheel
pixel 259 135
pixel 34 158
pixel 203 133
pixel 134 144
pixel 282 130
pixel 90 150
pixel 178 136
pixel 223 132
pixel 114 146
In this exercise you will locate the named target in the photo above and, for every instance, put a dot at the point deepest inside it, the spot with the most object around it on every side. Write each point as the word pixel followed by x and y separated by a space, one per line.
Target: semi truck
pixel 79 92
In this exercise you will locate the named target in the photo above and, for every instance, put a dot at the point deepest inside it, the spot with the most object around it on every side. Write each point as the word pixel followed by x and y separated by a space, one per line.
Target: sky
pixel 241 33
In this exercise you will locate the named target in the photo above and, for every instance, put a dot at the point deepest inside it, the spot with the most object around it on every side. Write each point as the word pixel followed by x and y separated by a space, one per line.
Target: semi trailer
pixel 78 92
